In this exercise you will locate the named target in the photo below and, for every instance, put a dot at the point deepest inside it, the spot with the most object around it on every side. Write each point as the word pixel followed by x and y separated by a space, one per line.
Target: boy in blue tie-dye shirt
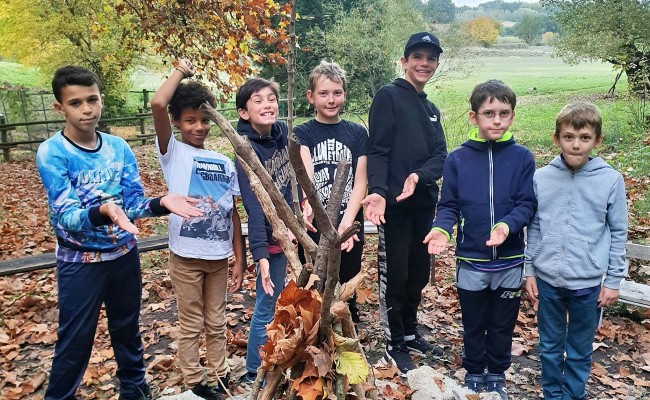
pixel 94 193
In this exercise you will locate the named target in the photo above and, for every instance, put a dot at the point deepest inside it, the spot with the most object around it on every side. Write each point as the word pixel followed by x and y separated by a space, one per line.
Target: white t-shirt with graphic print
pixel 210 177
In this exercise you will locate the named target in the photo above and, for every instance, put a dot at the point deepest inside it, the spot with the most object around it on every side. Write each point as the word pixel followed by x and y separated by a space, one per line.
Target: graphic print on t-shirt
pixel 208 183
pixel 325 156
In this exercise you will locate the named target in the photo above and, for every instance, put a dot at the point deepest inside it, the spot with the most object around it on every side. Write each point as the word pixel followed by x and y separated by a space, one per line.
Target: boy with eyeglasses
pixel 488 191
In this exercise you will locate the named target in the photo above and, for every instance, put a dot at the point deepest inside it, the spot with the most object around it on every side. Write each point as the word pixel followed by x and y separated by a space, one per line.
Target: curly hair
pixel 189 95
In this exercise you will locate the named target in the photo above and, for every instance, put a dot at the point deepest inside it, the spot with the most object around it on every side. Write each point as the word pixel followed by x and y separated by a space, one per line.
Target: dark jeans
pixel 83 288
pixel 264 310
pixel 404 269
pixel 489 318
pixel 565 377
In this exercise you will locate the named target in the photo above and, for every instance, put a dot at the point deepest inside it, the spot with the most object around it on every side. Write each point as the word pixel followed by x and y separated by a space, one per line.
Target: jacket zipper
pixel 491 163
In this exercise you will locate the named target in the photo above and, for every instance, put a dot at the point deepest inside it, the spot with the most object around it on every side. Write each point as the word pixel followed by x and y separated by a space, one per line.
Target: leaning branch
pixel 245 151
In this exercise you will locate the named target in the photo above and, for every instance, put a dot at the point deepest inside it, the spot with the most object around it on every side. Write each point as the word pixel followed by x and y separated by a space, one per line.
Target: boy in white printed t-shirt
pixel 199 247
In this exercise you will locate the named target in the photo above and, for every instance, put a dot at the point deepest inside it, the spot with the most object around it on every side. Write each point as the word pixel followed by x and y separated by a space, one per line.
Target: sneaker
pixel 209 392
pixel 421 347
pixel 475 382
pixel 399 356
pixel 249 377
pixel 496 383
pixel 144 393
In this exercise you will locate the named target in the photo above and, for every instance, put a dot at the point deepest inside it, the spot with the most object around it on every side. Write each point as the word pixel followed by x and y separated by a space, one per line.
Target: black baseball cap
pixel 422 39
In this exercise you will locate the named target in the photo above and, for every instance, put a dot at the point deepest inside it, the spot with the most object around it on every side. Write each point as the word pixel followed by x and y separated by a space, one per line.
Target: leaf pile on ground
pixel 28 314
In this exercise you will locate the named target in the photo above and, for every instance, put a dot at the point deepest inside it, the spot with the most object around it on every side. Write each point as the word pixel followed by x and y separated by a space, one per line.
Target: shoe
pixel 209 392
pixel 421 347
pixel 399 356
pixel 249 377
pixel 496 383
pixel 143 393
pixel 475 382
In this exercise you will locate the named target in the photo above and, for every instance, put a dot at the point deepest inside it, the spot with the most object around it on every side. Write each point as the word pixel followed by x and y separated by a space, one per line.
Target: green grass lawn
pixel 16 74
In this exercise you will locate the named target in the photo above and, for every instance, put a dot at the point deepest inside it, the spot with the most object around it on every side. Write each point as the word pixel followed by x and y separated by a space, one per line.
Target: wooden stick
pixel 245 151
pixel 279 228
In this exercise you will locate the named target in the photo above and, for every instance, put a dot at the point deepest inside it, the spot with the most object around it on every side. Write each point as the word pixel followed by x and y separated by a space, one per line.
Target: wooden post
pixel 142 127
pixel 4 139
pixel 145 100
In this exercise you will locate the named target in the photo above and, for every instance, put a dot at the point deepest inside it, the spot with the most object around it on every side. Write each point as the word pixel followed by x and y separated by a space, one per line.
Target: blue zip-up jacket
pixel 486 183
pixel 273 152
pixel 78 181
pixel 580 228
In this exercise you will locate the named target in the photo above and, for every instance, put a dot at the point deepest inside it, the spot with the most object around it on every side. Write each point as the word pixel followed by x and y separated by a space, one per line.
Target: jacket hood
pixel 406 85
pixel 478 143
pixel 246 129
pixel 592 165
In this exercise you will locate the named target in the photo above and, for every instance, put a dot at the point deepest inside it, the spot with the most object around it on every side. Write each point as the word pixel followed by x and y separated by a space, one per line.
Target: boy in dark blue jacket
pixel 257 106
pixel 488 191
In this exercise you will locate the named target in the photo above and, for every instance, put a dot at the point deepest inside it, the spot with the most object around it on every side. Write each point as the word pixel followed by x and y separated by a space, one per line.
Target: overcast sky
pixel 473 3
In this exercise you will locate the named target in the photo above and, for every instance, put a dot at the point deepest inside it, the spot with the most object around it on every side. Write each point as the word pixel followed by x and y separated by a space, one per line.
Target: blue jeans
pixel 565 377
pixel 264 310
pixel 82 290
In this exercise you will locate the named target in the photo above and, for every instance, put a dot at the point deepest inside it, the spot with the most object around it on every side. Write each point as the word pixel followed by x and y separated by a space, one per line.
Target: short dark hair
pixel 73 75
pixel 189 95
pixel 492 89
pixel 579 114
pixel 252 86
pixel 327 70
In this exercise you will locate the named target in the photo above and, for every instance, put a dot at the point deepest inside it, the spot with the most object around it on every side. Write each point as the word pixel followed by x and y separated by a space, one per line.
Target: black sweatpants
pixel 489 318
pixel 404 268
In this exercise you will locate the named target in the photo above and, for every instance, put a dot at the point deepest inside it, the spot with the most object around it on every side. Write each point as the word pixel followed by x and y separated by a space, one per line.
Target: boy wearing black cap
pixel 406 154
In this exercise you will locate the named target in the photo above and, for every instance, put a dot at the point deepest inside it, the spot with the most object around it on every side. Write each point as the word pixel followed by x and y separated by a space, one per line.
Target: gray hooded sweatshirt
pixel 579 231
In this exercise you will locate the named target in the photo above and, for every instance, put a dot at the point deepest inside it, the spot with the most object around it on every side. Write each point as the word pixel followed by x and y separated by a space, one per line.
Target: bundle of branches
pixel 312 334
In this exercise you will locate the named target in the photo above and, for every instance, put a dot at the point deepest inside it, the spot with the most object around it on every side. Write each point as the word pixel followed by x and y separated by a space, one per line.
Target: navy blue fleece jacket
pixel 487 183
pixel 273 152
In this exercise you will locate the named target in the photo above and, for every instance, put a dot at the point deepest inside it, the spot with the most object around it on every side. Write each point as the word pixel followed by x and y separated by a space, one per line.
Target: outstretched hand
pixel 183 206
pixel 409 187
pixel 498 235
pixel 375 208
pixel 265 273
pixel 118 216
pixel 437 242
pixel 186 67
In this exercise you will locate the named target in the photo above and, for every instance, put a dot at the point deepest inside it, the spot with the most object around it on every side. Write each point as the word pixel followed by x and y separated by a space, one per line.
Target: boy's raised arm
pixel 161 100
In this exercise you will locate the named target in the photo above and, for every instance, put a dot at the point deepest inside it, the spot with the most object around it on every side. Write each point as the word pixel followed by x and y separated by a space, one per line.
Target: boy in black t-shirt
pixel 325 140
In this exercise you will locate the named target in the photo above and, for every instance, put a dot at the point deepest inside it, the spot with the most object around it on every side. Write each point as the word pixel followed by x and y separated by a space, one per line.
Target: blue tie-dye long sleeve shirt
pixel 78 181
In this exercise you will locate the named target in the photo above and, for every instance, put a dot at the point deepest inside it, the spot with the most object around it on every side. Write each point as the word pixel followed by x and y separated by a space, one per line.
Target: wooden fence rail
pixel 631 292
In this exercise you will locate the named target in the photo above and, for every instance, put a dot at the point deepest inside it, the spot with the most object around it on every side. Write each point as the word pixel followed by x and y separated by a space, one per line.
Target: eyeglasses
pixel 503 115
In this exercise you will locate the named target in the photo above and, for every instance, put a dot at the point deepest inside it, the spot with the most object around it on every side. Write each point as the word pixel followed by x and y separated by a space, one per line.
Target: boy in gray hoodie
pixel 575 258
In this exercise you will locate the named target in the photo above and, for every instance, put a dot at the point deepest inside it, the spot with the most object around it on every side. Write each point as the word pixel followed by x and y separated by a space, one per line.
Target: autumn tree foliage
pixel 50 33
pixel 222 37
pixel 481 30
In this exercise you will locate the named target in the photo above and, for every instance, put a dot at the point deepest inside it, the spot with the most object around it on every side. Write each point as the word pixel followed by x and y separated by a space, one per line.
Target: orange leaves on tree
pixel 220 37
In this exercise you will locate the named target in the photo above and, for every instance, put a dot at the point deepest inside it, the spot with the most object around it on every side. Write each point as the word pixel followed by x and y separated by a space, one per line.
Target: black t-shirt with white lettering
pixel 329 143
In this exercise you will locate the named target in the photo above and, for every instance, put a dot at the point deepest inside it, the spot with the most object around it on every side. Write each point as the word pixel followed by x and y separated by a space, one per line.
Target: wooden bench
pixel 631 292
